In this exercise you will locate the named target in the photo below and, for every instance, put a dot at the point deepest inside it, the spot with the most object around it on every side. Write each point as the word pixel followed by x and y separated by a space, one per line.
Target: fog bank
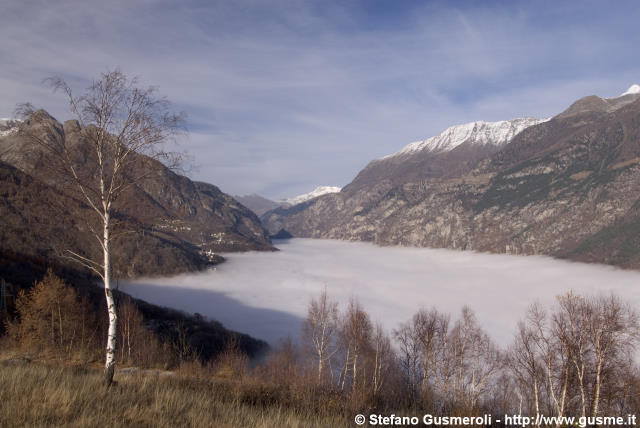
pixel 266 294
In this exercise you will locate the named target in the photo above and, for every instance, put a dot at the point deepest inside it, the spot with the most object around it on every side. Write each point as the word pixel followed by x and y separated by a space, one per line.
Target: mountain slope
pixel 568 187
pixel 449 154
pixel 180 223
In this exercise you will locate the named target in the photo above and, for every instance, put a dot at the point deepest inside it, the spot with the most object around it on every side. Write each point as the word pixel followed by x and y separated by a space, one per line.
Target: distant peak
pixel 318 191
pixel 633 89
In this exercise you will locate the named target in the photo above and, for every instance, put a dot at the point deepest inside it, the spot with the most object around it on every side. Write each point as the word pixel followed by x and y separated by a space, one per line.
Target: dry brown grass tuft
pixel 36 395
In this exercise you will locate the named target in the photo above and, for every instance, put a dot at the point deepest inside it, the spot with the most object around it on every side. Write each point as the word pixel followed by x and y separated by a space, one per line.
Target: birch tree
pixel 524 363
pixel 118 121
pixel 613 331
pixel 356 331
pixel 476 360
pixel 431 327
pixel 554 354
pixel 570 322
pixel 320 329
pixel 409 354
pixel 382 359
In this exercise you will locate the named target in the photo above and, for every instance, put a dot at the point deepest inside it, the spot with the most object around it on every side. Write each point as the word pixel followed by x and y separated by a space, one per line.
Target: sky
pixel 286 95
pixel 266 294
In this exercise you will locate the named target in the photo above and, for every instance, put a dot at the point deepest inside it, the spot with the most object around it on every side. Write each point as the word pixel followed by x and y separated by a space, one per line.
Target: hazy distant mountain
pixel 182 223
pixel 257 203
pixel 568 186
pixel 260 205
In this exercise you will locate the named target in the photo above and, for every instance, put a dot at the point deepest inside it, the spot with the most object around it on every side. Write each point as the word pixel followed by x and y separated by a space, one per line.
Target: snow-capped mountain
pixel 318 191
pixel 8 126
pixel 479 132
pixel 633 89
pixel 449 153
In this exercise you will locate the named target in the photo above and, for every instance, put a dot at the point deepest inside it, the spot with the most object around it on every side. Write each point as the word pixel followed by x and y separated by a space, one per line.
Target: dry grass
pixel 35 395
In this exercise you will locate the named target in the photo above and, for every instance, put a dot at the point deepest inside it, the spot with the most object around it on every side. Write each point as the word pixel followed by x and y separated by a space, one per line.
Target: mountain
pixel 449 154
pixel 8 126
pixel 257 203
pixel 261 205
pixel 181 224
pixel 567 187
pixel 318 191
pixel 633 89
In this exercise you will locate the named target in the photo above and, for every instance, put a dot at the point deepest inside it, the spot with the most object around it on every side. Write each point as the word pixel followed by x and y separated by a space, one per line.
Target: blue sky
pixel 283 96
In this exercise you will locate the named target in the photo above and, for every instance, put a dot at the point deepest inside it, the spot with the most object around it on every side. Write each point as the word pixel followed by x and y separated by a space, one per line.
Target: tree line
pixel 575 358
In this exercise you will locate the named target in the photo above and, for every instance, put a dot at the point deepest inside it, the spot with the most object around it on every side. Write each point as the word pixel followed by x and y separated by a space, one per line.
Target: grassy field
pixel 35 395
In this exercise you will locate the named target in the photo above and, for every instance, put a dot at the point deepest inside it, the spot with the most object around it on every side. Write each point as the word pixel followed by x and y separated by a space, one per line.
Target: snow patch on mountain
pixel 479 132
pixel 633 89
pixel 318 191
pixel 8 126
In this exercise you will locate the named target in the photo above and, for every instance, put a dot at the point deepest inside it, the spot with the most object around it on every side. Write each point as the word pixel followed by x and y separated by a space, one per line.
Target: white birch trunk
pixel 596 393
pixel 535 395
pixel 110 363
pixel 320 366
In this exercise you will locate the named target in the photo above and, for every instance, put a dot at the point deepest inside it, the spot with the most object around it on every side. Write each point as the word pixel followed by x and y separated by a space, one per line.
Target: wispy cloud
pixel 291 94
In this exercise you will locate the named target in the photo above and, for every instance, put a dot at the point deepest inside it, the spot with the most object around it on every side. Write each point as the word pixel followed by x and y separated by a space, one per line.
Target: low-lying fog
pixel 266 294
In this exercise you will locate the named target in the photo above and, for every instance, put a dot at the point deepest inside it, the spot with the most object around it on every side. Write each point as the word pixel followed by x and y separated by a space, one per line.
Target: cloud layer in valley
pixel 266 294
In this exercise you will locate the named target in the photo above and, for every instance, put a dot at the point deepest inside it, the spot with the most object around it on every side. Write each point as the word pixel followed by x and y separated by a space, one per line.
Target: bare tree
pixel 356 332
pixel 613 331
pixel 570 328
pixel 475 357
pixel 523 360
pixel 409 354
pixel 117 121
pixel 431 328
pixel 382 359
pixel 320 329
pixel 422 343
pixel 554 353
pixel 583 346
pixel 602 333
